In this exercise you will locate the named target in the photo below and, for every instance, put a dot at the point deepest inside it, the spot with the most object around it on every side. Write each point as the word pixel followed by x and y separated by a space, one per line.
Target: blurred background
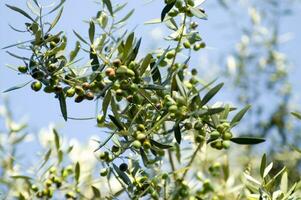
pixel 252 45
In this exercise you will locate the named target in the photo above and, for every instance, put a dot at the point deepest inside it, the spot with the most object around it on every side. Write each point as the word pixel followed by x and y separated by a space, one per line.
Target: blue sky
pixel 40 108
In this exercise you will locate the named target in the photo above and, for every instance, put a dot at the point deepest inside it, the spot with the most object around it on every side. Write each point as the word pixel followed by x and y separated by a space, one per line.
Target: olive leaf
pixel 63 106
pixel 17 87
pixel 247 140
pixel 122 175
pixel 91 31
pixel 211 94
pixel 177 132
pixel 109 6
pixel 159 145
pixel 239 115
pixel 263 164
pixel 22 12
pixel 56 19
pixel 77 171
pixel 166 9
pixel 198 13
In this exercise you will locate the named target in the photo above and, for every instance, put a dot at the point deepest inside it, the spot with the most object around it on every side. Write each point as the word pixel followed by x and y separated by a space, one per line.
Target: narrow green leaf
pixel 267 169
pixel 145 63
pixel 94 60
pixel 109 6
pixel 56 139
pixel 20 11
pixel 63 105
pixel 177 132
pixel 57 18
pixel 166 9
pixel 211 94
pixel 160 145
pixel 247 140
pixel 46 158
pixel 198 13
pixel 239 115
pixel 284 182
pixel 17 87
pixel 106 102
pixel 296 114
pixel 91 31
pixel 125 17
pixel 56 7
pixel 144 157
pixel 116 122
pixel 74 53
pixel 156 75
pixel 122 175
pixel 80 37
pixel 96 192
pixel 77 171
pixel 263 164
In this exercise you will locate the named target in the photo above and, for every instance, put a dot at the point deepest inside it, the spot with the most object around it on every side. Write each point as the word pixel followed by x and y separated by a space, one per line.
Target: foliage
pixel 154 106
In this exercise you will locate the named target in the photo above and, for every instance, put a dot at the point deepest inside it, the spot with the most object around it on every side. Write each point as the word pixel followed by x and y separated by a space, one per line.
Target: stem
pixel 191 160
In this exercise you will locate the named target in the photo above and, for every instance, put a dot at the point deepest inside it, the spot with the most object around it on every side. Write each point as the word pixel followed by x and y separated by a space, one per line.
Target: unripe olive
pixel 58 182
pixel 214 135
pixel 79 99
pixel 79 90
pixel 104 172
pixel 146 144
pixel 122 70
pixel 48 183
pixel 116 63
pixel 48 89
pixel 141 127
pixel 227 135
pixel 198 125
pixel 188 126
pixel 123 167
pixel 190 2
pixel 194 72
pixel 89 96
pixel 34 188
pixel 136 144
pixel 36 86
pixel 103 155
pixel 86 85
pixel 115 148
pixel 70 195
pixel 119 92
pixel 100 119
pixel 141 137
pixel 199 139
pixel 130 72
pixel 187 45
pixel 193 25
pixel 52 170
pixel 165 176
pixel 22 69
pixel 173 108
pixel 226 144
pixel 170 54
pixel 70 92
pixel 217 145
pixel 179 4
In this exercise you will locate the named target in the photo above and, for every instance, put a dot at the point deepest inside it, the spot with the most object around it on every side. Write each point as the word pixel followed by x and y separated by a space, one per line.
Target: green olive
pixel 36 86
pixel 22 69
pixel 104 172
pixel 136 144
pixel 187 45
pixel 70 92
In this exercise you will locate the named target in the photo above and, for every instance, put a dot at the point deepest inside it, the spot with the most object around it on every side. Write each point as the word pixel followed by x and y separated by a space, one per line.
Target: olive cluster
pixel 220 138
pixel 53 182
